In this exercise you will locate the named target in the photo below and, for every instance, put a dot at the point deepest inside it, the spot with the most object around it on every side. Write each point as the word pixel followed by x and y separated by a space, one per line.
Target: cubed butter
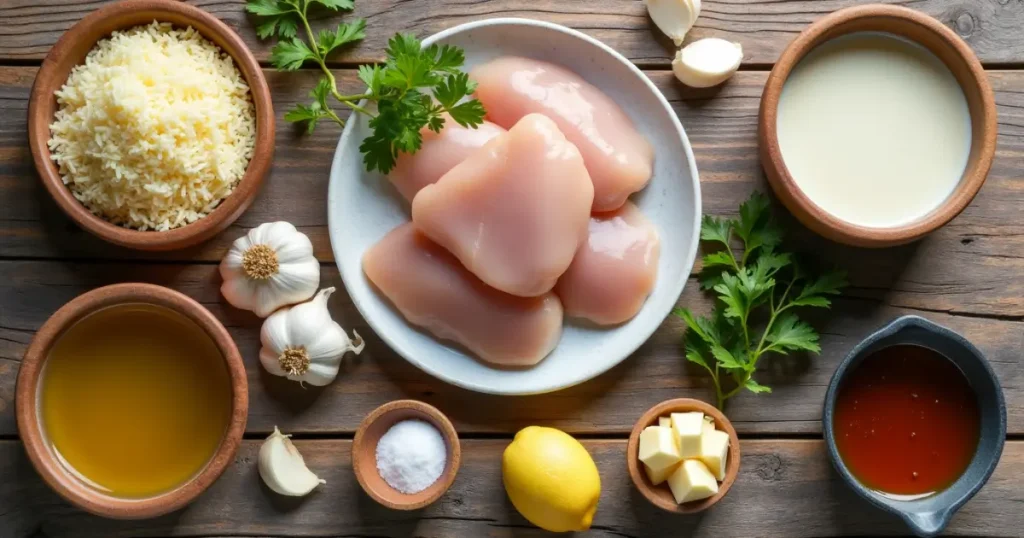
pixel 657 477
pixel 692 481
pixel 687 428
pixel 714 452
pixel 709 424
pixel 664 422
pixel 658 449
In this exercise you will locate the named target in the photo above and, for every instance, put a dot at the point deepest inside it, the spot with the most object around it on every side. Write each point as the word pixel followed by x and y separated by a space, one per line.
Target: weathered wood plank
pixel 785 488
pixel 28 28
pixel 971 266
pixel 31 291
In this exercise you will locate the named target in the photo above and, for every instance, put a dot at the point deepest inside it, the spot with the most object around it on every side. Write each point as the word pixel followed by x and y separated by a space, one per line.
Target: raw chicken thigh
pixel 613 274
pixel 439 154
pixel 432 290
pixel 515 211
pixel 620 160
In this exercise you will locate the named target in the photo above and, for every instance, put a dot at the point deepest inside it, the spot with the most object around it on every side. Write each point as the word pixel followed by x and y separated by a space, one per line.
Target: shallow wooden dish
pixel 953 52
pixel 364 453
pixel 71 49
pixel 42 456
pixel 661 495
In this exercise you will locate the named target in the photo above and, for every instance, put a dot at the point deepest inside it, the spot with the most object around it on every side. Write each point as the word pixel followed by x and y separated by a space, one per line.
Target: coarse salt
pixel 411 456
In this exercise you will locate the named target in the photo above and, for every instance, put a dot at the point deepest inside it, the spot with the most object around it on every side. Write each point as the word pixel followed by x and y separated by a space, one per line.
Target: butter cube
pixel 714 452
pixel 709 424
pixel 657 477
pixel 687 428
pixel 664 422
pixel 658 450
pixel 692 482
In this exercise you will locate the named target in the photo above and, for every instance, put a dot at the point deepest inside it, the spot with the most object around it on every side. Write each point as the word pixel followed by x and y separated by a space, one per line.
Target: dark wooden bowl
pixel 661 495
pixel 953 52
pixel 42 456
pixel 71 49
pixel 364 453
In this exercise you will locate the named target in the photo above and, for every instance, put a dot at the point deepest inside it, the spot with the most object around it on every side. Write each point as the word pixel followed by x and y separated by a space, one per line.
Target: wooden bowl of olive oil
pixel 131 400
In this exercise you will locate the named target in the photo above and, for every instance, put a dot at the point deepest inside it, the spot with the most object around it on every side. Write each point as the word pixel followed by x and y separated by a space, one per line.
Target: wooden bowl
pixel 71 49
pixel 63 480
pixel 953 52
pixel 364 453
pixel 661 495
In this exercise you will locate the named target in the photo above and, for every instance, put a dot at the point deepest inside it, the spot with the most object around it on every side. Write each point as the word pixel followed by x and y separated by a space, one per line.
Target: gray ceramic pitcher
pixel 927 516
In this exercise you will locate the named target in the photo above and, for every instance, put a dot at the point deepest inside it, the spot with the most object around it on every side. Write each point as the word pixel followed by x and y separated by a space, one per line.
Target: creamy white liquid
pixel 874 129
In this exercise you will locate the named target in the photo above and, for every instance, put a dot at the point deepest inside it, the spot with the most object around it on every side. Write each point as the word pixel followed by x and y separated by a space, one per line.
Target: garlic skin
pixel 674 17
pixel 707 62
pixel 304 344
pixel 283 469
pixel 269 267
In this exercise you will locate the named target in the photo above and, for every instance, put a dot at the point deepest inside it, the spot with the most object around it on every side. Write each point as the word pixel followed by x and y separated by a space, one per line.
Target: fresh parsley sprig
pixel 414 88
pixel 756 291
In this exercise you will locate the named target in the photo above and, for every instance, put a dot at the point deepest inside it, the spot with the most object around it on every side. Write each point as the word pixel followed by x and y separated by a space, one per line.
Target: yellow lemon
pixel 551 479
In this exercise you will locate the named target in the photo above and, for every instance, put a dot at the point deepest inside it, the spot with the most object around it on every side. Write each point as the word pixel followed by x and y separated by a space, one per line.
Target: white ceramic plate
pixel 362 207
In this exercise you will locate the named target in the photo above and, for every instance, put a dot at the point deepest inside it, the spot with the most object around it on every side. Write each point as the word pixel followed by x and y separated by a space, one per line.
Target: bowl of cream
pixel 877 126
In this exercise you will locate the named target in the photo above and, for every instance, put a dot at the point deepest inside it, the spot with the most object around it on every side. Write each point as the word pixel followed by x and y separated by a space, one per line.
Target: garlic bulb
pixel 304 344
pixel 269 267
pixel 283 469
pixel 707 62
pixel 674 17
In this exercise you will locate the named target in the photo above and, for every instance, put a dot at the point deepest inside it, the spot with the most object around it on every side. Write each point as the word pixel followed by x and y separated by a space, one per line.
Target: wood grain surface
pixel 30 291
pixel 968 276
pixel 969 267
pixel 992 27
pixel 785 488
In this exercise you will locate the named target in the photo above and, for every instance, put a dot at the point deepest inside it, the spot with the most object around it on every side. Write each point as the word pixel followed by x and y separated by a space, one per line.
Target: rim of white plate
pixel 583 374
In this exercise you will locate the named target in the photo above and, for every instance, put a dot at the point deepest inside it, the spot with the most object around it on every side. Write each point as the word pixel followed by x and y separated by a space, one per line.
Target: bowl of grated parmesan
pixel 151 124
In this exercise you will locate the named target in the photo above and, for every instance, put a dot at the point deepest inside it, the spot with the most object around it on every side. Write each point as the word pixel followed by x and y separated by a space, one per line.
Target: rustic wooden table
pixel 968 276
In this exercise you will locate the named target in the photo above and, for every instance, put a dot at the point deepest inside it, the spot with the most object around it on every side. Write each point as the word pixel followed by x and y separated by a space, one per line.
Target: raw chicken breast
pixel 618 157
pixel 432 290
pixel 613 274
pixel 515 211
pixel 439 154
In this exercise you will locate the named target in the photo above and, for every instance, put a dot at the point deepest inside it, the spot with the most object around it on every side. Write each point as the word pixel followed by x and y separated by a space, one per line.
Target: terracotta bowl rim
pixel 54 72
pixel 812 215
pixel 360 443
pixel 29 425
pixel 656 494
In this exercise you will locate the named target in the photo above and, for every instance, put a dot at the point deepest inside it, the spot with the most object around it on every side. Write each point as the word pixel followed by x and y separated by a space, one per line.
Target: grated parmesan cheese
pixel 154 129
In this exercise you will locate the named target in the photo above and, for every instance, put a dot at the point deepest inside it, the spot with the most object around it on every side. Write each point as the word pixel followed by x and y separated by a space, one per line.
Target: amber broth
pixel 907 421
pixel 135 399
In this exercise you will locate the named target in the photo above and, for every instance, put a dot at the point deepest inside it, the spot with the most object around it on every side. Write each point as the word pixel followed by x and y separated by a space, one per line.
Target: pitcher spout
pixel 927 524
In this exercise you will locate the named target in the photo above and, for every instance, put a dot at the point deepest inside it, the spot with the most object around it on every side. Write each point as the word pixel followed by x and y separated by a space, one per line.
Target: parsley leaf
pixel 345 34
pixel 290 55
pixel 415 88
pixel 755 293
pixel 788 333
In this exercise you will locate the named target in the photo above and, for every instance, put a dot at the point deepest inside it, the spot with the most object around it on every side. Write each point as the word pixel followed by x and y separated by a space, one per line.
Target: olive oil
pixel 135 399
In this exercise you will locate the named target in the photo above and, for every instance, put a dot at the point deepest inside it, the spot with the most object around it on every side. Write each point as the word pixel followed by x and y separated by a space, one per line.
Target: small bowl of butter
pixel 877 126
pixel 683 455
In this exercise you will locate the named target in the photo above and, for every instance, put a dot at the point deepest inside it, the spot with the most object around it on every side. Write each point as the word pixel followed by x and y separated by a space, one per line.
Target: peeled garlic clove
pixel 283 469
pixel 674 17
pixel 707 62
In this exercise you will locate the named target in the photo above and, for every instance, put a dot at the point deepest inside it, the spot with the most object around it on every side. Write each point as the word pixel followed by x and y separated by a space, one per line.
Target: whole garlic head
pixel 707 62
pixel 304 344
pixel 674 17
pixel 283 469
pixel 269 267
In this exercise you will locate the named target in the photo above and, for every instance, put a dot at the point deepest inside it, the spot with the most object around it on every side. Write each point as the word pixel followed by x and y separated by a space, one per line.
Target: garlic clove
pixel 673 17
pixel 707 62
pixel 283 469
pixel 239 292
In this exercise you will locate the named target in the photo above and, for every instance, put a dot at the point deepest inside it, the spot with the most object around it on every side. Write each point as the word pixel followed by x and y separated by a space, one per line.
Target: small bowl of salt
pixel 406 454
